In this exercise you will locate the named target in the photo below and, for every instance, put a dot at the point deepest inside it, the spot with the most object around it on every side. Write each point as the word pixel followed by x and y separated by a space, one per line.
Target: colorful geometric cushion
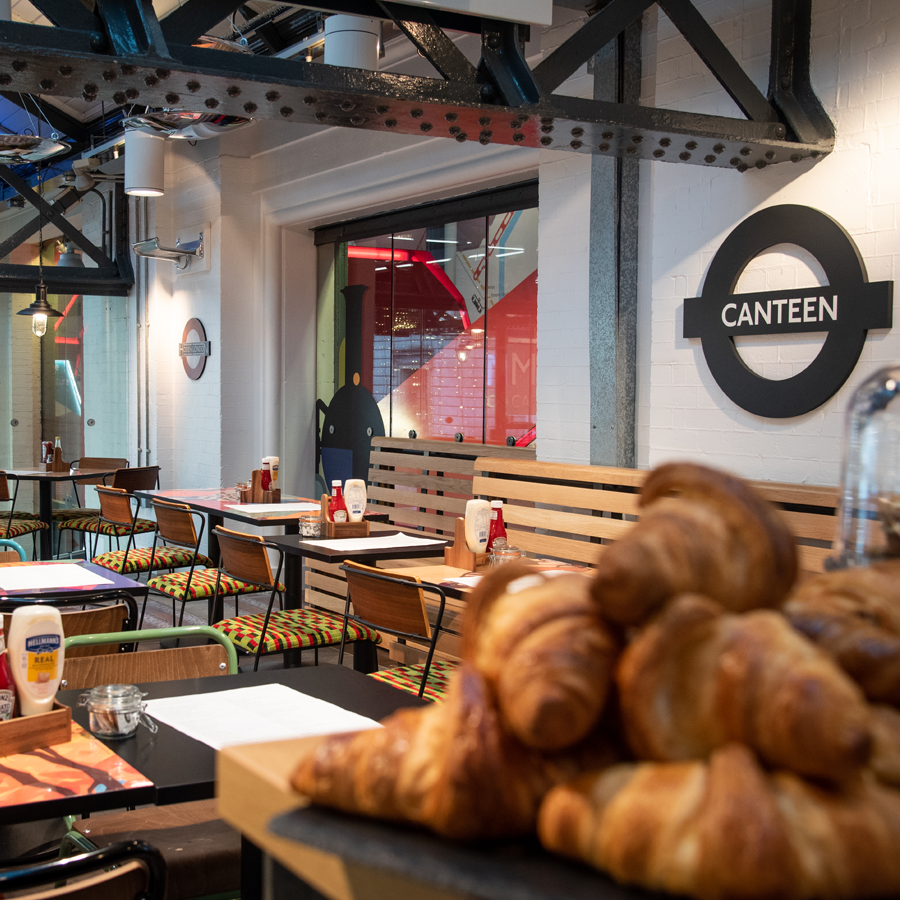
pixel 75 512
pixel 90 525
pixel 291 629
pixel 18 527
pixel 203 585
pixel 25 516
pixel 409 678
pixel 139 559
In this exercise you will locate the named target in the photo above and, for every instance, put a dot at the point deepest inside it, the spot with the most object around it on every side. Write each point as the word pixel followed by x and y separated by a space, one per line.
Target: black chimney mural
pixel 352 418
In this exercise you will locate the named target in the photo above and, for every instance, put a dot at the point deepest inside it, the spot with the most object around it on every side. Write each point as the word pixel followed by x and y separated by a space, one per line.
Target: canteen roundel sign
pixel 846 307
pixel 194 349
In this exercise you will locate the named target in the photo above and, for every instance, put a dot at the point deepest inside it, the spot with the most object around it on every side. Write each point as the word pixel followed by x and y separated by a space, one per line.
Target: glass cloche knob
pixel 869 514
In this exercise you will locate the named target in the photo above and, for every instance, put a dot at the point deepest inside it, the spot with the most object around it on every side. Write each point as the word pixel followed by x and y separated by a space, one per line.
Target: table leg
pixel 45 491
pixel 365 657
pixel 251 870
pixel 293 599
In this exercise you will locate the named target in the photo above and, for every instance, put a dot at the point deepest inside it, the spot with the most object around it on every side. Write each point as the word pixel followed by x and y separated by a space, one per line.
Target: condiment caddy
pixel 256 494
pixel 339 529
pixel 459 555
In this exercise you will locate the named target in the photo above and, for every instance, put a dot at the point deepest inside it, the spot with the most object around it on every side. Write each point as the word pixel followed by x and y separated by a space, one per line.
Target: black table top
pixel 112 581
pixel 37 474
pixel 296 545
pixel 183 769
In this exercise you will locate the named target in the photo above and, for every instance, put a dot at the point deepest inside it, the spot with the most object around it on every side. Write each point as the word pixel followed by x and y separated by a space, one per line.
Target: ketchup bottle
pixel 7 685
pixel 497 529
pixel 265 474
pixel 337 508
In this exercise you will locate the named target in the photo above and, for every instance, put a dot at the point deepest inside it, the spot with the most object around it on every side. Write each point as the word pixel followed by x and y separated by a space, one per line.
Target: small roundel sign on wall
pixel 194 348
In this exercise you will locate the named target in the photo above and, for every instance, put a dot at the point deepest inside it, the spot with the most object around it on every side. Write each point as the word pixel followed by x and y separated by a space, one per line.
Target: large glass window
pixel 438 325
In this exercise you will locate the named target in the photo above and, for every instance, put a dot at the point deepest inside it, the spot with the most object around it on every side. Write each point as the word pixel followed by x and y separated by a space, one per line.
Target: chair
pixel 13 552
pixel 114 611
pixel 244 558
pixel 88 462
pixel 396 604
pixel 138 871
pixel 13 526
pixel 79 672
pixel 115 519
pixel 176 527
pixel 201 851
pixel 127 479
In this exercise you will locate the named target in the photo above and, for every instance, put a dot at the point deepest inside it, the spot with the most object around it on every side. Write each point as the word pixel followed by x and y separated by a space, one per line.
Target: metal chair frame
pixel 406 582
pixel 5 478
pixel 11 604
pixel 59 870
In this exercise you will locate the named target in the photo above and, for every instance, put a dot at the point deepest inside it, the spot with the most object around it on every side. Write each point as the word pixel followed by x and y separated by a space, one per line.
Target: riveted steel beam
pixel 68 14
pixel 131 27
pixel 501 53
pixel 314 93
pixel 103 281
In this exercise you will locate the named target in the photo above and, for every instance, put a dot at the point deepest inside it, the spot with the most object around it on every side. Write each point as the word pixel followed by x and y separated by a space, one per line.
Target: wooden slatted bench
pixel 565 511
pixel 422 486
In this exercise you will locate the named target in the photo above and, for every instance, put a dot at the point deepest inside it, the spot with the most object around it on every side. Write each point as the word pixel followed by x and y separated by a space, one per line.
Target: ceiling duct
pixel 182 125
pixel 22 148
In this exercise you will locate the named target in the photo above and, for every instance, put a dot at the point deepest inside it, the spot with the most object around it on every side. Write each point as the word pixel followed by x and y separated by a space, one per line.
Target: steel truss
pixel 120 52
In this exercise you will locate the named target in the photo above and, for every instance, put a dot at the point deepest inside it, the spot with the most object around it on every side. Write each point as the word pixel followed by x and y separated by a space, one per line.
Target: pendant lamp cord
pixel 40 226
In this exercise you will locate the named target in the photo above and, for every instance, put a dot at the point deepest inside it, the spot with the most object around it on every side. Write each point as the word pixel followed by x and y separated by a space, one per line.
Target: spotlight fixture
pixel 180 254
pixel 40 309
pixel 145 164
pixel 68 258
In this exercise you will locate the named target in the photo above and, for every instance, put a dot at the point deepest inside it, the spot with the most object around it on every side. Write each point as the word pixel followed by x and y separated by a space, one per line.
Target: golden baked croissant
pixel 885 759
pixel 725 830
pixel 717 538
pixel 544 650
pixel 696 678
pixel 854 614
pixel 450 767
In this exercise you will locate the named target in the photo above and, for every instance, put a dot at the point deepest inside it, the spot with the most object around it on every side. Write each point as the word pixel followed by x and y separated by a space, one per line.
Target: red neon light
pixel 420 256
pixel 528 437
pixel 64 340
pixel 59 321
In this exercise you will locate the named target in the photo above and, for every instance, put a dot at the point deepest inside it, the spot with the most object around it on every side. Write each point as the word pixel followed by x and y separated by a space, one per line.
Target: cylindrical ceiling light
pixel 352 41
pixel 145 164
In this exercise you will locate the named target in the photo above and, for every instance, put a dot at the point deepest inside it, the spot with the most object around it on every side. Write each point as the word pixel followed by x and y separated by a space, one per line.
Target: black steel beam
pixel 60 121
pixel 419 26
pixel 52 214
pixel 501 52
pixel 68 14
pixel 61 204
pixel 707 45
pixel 104 281
pixel 789 84
pixel 595 34
pixel 314 93
pixel 196 17
pixel 132 28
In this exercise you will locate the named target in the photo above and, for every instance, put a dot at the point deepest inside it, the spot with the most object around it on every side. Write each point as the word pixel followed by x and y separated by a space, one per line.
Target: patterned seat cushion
pixel 75 512
pixel 18 527
pixel 408 678
pixel 90 524
pixel 139 559
pixel 292 629
pixel 203 585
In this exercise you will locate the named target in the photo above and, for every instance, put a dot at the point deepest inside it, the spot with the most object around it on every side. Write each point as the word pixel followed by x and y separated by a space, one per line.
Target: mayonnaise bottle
pixel 36 654
pixel 355 498
pixel 478 522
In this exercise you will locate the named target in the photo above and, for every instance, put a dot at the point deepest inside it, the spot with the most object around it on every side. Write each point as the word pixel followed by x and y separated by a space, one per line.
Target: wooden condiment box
pixel 459 555
pixel 332 529
pixel 26 733
pixel 57 465
pixel 255 493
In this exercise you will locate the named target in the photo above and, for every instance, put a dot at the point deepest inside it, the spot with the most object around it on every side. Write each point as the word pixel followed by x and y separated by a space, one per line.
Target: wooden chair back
pixel 143 666
pixel 244 556
pixel 138 478
pixel 4 487
pixel 115 505
pixel 387 604
pixel 98 620
pixel 175 523
pixel 9 556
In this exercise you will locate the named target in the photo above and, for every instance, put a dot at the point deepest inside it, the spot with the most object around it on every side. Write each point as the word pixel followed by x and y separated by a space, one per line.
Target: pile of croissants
pixel 691 718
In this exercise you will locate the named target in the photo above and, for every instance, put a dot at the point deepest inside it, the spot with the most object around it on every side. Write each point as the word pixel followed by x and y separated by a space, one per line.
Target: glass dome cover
pixel 869 512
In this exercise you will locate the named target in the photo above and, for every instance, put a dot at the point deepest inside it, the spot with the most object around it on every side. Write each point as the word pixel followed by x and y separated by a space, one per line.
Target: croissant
pixel 854 614
pixel 717 538
pixel 696 678
pixel 725 830
pixel 546 653
pixel 450 767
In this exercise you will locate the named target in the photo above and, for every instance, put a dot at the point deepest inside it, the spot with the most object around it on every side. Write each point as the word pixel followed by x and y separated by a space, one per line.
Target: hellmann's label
pixel 41 657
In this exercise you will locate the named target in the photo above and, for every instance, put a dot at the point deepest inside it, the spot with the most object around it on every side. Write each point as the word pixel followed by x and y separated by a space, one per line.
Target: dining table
pixel 46 482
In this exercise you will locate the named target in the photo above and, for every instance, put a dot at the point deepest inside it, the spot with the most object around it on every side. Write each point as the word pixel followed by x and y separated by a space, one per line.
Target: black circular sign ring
pixel 834 249
pixel 193 370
